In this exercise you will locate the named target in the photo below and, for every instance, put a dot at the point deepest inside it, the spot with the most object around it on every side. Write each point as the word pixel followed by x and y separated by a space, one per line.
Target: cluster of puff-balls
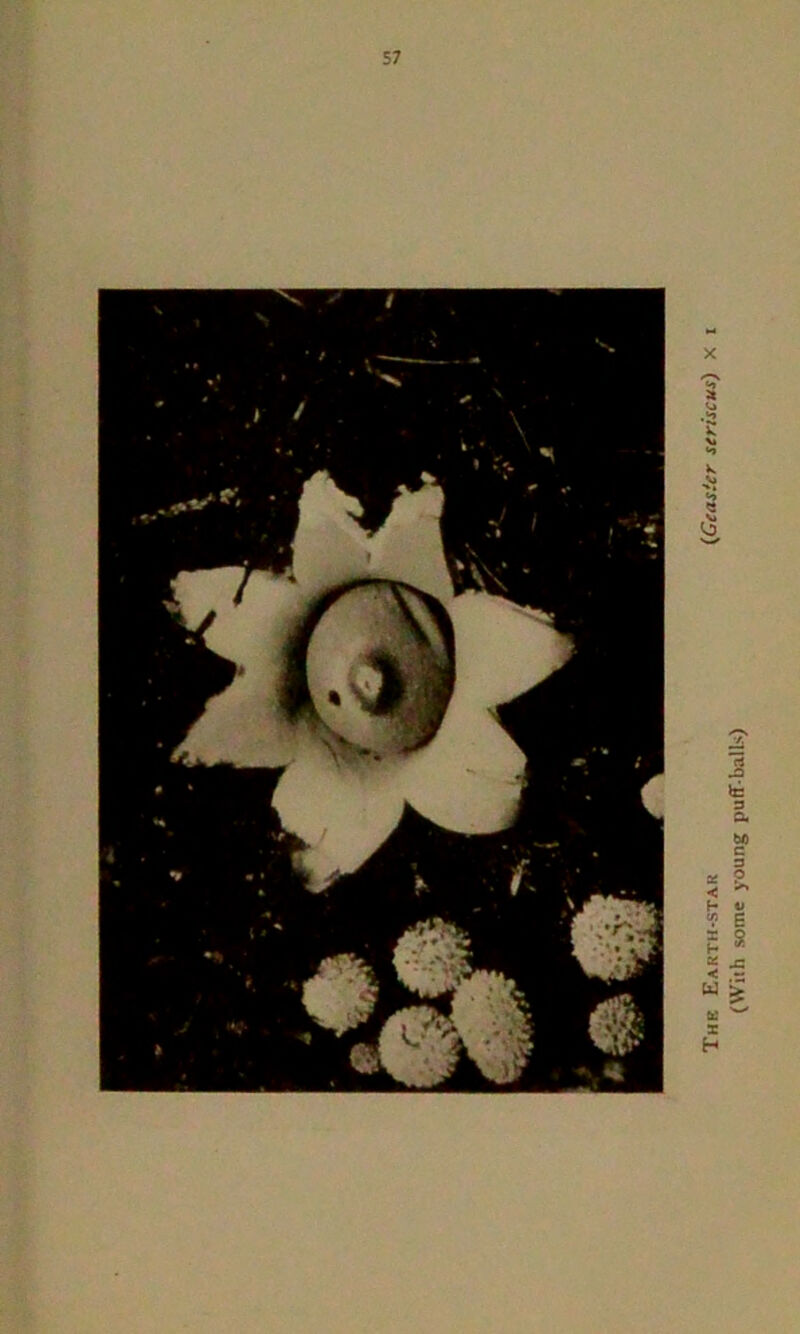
pixel 420 1045
pixel 615 939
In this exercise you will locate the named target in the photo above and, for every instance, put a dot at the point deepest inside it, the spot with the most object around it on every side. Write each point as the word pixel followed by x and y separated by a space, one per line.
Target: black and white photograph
pixel 381 690
pixel 399 663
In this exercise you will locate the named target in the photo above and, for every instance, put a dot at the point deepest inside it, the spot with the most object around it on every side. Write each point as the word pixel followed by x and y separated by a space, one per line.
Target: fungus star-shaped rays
pixel 338 801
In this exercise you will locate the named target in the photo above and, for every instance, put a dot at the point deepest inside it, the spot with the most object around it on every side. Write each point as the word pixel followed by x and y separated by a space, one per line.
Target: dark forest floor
pixel 541 415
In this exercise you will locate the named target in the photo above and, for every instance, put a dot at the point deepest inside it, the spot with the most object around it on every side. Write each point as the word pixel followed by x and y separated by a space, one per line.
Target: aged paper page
pixel 549 148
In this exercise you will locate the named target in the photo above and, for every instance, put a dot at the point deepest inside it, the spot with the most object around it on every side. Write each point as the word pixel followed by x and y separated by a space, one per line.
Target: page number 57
pixel 391 57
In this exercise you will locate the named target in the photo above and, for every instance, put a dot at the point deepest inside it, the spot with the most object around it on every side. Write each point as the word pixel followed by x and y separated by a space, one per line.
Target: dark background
pixel 545 429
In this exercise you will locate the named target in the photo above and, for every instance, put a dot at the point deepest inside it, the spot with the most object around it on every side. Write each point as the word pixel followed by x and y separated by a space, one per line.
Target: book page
pixel 499 303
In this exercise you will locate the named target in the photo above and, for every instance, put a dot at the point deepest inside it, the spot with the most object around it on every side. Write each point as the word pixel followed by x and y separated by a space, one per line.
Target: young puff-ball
pixel 342 993
pixel 433 957
pixel 616 1025
pixel 614 938
pixel 419 1047
pixel 493 1021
